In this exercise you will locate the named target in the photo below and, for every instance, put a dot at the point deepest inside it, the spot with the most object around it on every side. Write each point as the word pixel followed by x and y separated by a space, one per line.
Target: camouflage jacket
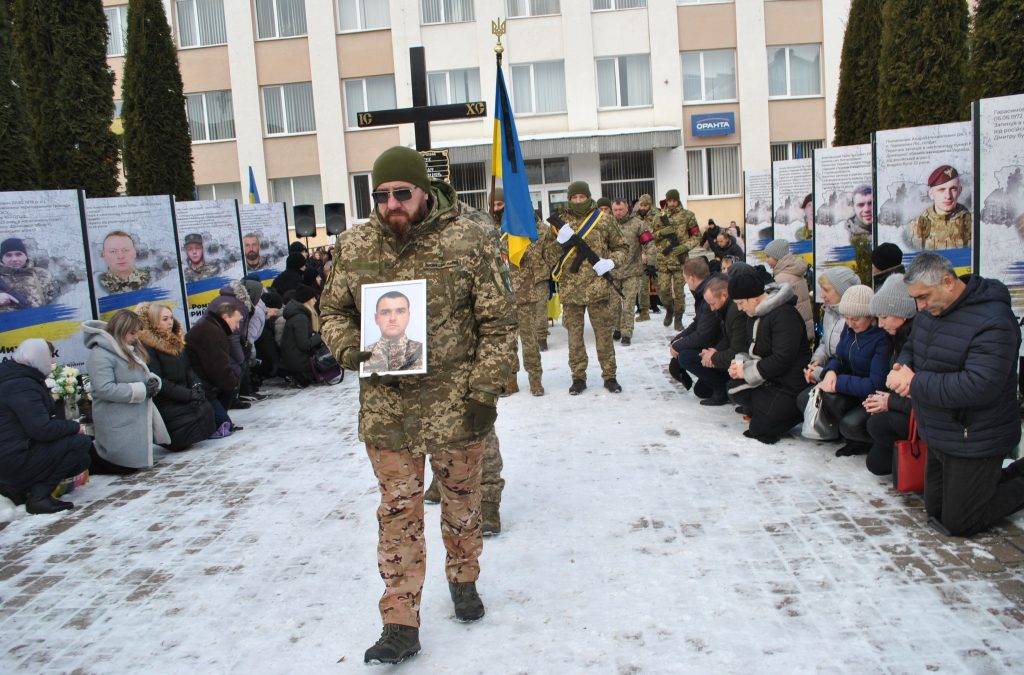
pixel 111 283
pixel 855 226
pixel 471 351
pixel 390 355
pixel 937 231
pixel 681 221
pixel 584 286
pixel 531 269
pixel 207 270
pixel 633 265
pixel 30 286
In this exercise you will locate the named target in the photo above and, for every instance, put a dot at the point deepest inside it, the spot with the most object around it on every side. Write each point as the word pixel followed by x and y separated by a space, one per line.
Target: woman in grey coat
pixel 832 283
pixel 127 424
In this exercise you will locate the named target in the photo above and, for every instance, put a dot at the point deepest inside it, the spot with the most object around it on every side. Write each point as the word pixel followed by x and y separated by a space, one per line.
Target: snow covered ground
pixel 642 533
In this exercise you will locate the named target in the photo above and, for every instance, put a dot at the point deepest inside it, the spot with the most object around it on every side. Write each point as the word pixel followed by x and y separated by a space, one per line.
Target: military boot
pixel 536 388
pixel 668 316
pixel 511 388
pixel 577 387
pixel 433 493
pixel 396 644
pixel 543 344
pixel 491 518
pixel 468 605
pixel 616 334
pixel 678 321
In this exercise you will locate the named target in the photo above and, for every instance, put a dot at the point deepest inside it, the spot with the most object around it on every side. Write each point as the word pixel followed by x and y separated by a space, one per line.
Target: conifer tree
pixel 922 63
pixel 996 66
pixel 857 99
pixel 18 170
pixel 157 144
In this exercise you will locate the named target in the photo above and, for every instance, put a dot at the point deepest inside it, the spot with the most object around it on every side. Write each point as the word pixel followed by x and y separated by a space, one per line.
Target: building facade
pixel 632 96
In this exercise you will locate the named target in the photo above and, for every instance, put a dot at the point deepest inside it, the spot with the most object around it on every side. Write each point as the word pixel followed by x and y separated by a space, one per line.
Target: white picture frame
pixel 382 310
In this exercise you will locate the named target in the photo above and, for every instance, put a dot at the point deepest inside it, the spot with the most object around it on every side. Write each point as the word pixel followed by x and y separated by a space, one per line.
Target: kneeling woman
pixel 181 400
pixel 36 451
pixel 126 421
pixel 301 337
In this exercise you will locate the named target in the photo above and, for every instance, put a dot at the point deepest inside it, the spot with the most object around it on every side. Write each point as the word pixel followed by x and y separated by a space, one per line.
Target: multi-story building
pixel 632 96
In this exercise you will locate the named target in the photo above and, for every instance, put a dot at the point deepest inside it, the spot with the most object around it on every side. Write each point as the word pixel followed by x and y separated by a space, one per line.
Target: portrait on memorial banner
pixel 794 205
pixel 757 213
pixel 211 250
pixel 844 201
pixel 394 328
pixel 264 239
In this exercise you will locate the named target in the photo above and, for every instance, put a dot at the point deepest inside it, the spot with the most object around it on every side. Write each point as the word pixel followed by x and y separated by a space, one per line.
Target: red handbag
pixel 909 461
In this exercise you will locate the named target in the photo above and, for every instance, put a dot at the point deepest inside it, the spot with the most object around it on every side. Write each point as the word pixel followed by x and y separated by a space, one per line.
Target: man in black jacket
pixel 702 332
pixel 733 326
pixel 959 369
pixel 208 345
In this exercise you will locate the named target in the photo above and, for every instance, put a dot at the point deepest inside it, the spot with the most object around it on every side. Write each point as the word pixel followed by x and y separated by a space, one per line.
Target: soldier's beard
pixel 400 223
pixel 252 257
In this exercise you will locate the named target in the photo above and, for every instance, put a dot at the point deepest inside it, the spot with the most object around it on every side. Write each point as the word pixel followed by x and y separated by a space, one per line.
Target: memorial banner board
pixel 211 250
pixel 792 205
pixel 843 209
pixel 264 239
pixel 757 213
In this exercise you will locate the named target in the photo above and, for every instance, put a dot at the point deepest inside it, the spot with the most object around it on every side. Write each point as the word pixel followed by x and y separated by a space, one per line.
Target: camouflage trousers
pixel 635 290
pixel 491 483
pixel 401 547
pixel 526 313
pixel 541 292
pixel 602 318
pixel 670 289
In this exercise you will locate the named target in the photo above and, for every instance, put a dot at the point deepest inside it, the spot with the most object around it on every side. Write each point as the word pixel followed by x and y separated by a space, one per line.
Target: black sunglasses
pixel 401 194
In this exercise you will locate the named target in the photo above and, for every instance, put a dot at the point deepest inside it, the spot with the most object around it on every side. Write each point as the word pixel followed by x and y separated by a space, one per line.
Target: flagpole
pixel 497 29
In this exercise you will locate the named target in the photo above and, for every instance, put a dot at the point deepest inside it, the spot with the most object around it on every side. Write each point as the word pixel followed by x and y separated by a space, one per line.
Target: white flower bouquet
pixel 67 383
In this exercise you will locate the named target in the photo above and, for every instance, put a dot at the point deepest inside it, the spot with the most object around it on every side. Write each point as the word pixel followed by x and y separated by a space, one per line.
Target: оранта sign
pixel 712 124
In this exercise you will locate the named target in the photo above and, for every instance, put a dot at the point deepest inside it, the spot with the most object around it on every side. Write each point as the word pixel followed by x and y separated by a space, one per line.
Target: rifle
pixel 583 252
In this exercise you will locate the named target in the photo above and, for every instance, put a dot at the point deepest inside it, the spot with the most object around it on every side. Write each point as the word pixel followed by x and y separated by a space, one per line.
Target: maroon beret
pixel 943 174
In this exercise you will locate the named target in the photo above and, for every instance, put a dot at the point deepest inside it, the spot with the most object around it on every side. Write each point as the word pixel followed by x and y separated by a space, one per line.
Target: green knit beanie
pixel 604 201
pixel 672 194
pixel 579 187
pixel 401 163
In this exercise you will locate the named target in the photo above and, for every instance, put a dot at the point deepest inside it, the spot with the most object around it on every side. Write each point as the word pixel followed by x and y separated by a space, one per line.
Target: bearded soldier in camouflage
pixel 22 284
pixel 673 242
pixel 583 290
pixel 946 223
pixel 631 273
pixel 416 232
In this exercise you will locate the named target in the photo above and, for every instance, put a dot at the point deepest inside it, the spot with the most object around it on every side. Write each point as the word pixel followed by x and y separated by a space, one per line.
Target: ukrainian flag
pixel 507 166
pixel 254 194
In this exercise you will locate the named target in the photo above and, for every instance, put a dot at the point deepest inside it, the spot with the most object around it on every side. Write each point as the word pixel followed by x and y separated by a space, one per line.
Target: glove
pixel 652 271
pixel 565 234
pixel 481 416
pixel 152 387
pixel 387 380
pixel 352 357
pixel 603 266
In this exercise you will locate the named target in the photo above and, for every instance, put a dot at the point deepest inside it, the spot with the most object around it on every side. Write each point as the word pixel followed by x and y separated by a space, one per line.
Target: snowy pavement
pixel 642 533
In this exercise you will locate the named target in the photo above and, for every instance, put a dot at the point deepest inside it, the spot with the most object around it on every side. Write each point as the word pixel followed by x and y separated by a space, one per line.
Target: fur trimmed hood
pixel 172 344
pixel 778 295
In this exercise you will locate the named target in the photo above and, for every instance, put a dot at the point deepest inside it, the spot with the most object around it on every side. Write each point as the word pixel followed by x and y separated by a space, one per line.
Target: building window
pixel 117 27
pixel 288 109
pixel 201 23
pixel 210 116
pixel 363 14
pixel 219 191
pixel 446 11
pixel 518 8
pixel 627 175
pixel 300 190
pixel 470 181
pixel 713 171
pixel 552 170
pixel 361 195
pixel 538 87
pixel 624 81
pixel 709 76
pixel 795 150
pixel 368 93
pixel 280 18
pixel 618 4
pixel 794 71
pixel 453 86
pixel 701 2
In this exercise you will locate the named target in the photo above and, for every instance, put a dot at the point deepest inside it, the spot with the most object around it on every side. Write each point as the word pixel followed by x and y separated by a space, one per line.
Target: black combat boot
pixel 543 345
pixel 719 397
pixel 616 334
pixel 577 387
pixel 613 386
pixel 669 313
pixel 396 644
pixel 626 340
pixel 678 321
pixel 46 504
pixel 468 605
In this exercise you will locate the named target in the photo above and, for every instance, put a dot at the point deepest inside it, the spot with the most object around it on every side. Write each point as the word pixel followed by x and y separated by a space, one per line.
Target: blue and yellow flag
pixel 507 166
pixel 254 194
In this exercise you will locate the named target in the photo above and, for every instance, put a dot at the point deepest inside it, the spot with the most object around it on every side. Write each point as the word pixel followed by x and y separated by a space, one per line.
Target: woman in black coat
pixel 37 451
pixel 301 338
pixel 181 401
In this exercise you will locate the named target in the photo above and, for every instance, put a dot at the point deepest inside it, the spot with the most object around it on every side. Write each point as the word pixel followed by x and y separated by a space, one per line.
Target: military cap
pixel 943 174
pixel 193 239
pixel 579 187
pixel 672 194
pixel 402 164
pixel 604 201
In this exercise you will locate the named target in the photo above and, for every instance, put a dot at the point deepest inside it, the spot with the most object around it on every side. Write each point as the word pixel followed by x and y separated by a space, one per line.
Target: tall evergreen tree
pixel 18 170
pixel 922 63
pixel 857 100
pixel 996 66
pixel 68 92
pixel 157 144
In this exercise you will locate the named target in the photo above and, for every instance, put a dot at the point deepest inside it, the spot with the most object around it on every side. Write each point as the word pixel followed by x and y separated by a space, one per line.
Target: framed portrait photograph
pixel 394 328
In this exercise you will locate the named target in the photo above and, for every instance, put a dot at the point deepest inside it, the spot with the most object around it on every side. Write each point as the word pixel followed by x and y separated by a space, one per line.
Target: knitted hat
pixel 579 187
pixel 942 174
pixel 745 285
pixel 841 277
pixel 886 256
pixel 295 261
pixel 604 201
pixel 401 163
pixel 296 247
pixel 893 299
pixel 856 301
pixel 272 299
pixel 12 244
pixel 254 289
pixel 672 194
pixel 645 200
pixel 778 249
pixel 304 293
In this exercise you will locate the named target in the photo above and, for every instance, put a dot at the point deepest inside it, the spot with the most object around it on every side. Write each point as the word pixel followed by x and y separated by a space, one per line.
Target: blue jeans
pixel 689 359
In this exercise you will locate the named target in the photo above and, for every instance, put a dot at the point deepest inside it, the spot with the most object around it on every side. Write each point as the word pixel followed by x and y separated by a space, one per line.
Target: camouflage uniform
pixel 651 218
pixel 936 231
pixel 137 280
pixel 670 266
pixel 471 354
pixel 632 273
pixel 400 354
pixel 584 291
pixel 205 272
pixel 31 286
pixel 524 283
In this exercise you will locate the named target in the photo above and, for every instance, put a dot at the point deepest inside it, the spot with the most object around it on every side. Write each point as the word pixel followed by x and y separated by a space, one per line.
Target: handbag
pixel 817 426
pixel 909 461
